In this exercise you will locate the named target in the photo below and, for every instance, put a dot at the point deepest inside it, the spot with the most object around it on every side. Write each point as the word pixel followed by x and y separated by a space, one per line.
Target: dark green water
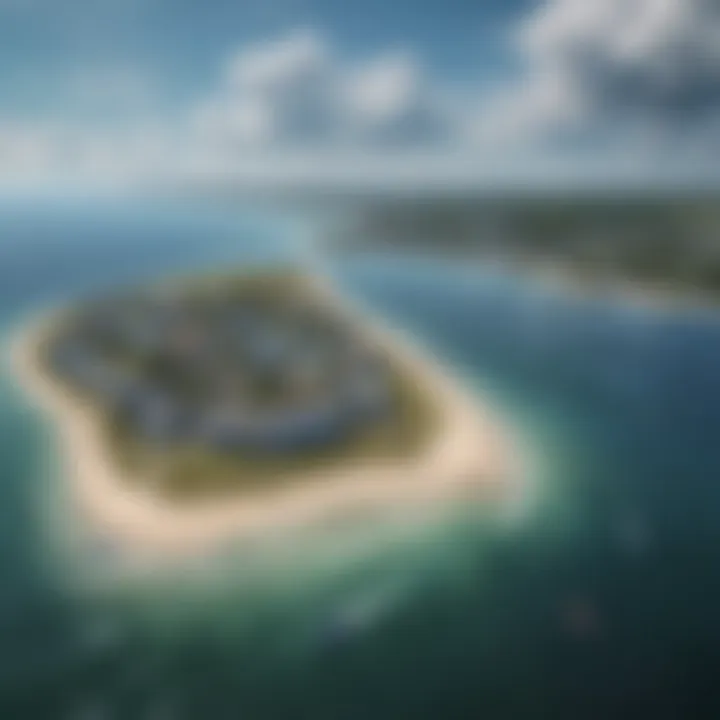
pixel 594 596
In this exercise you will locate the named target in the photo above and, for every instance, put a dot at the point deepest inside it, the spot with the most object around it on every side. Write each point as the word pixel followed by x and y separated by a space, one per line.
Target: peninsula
pixel 209 408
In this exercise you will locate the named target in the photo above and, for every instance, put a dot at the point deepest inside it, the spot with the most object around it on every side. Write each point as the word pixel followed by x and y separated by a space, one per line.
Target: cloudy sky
pixel 401 92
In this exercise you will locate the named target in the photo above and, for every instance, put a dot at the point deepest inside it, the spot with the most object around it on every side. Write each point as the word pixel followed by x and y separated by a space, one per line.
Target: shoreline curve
pixel 470 453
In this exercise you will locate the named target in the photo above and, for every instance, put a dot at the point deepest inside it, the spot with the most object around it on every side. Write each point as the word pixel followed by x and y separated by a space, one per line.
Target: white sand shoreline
pixel 471 453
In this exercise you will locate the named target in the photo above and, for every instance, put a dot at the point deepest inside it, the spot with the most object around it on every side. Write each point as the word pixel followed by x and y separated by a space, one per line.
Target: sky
pixel 383 92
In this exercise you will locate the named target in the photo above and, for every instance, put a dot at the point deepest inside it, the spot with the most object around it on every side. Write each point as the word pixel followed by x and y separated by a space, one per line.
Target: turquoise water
pixel 593 595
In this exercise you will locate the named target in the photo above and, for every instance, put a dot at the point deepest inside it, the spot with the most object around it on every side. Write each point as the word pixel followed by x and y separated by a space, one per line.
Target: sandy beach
pixel 471 455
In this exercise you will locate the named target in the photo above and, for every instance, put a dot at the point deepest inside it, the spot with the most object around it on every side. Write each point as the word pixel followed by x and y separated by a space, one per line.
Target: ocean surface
pixel 593 594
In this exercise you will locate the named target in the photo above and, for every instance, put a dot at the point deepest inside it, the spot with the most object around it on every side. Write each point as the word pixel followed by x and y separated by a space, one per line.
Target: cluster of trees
pixel 664 240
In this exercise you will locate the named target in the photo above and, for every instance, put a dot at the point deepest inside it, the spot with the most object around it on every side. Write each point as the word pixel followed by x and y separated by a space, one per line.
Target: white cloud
pixel 299 58
pixel 279 92
pixel 619 69
pixel 296 90
pixel 28 152
pixel 390 100
pixel 610 77
pixel 383 88
pixel 603 84
pixel 60 155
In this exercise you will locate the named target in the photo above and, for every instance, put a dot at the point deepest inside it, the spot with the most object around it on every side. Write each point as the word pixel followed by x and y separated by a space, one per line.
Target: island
pixel 204 408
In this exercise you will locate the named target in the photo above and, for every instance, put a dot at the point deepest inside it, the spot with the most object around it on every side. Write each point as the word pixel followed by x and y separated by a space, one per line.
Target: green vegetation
pixel 195 364
pixel 668 241
pixel 191 472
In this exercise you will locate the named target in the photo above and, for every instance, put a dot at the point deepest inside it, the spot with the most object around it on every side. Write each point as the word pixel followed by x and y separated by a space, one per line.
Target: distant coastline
pixel 652 249
pixel 549 276
pixel 469 453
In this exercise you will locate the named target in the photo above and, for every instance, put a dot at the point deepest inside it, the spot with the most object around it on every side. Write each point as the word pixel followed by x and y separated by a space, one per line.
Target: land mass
pixel 666 243
pixel 209 408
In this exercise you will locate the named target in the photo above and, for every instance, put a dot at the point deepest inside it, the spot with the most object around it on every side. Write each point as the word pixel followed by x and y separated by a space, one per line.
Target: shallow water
pixel 594 597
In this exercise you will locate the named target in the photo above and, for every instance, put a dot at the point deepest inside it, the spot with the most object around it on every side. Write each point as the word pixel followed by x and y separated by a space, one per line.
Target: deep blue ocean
pixel 596 594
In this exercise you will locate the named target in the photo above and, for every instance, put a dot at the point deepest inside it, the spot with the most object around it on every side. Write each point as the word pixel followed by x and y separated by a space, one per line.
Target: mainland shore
pixel 471 455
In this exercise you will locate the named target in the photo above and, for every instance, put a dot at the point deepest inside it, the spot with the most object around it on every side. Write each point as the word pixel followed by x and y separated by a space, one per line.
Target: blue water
pixel 594 596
